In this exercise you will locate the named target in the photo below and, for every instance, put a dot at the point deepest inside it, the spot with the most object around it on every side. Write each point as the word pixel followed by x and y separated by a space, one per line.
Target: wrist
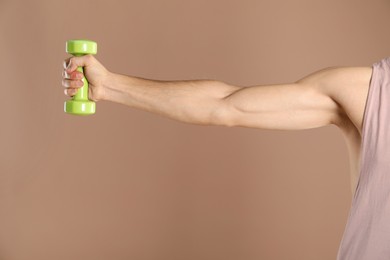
pixel 116 87
pixel 107 86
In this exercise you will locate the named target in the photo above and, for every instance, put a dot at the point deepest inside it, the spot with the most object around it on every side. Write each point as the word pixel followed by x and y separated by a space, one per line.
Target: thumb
pixel 76 61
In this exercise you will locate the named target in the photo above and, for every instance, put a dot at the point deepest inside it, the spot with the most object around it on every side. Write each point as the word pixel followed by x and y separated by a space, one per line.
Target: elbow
pixel 222 114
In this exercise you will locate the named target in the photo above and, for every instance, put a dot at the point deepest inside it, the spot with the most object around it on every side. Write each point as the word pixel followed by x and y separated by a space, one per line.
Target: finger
pixel 70 92
pixel 77 61
pixel 73 75
pixel 68 83
pixel 66 62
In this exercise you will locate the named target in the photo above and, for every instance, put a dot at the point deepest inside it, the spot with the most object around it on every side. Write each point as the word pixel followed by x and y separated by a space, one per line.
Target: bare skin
pixel 335 95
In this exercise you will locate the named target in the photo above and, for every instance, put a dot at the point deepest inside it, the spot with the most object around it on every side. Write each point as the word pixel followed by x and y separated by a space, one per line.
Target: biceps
pixel 284 107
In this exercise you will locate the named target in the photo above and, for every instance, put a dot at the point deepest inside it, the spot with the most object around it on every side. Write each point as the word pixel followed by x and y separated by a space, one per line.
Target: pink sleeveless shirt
pixel 367 232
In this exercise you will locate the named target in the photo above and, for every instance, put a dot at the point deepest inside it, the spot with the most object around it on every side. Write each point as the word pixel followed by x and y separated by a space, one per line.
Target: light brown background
pixel 128 184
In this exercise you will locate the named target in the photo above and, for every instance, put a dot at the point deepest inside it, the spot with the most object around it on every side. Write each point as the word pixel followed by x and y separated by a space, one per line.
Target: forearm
pixel 190 101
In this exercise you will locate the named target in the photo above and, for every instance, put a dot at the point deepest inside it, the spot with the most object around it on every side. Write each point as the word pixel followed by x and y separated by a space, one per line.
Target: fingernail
pixel 68 67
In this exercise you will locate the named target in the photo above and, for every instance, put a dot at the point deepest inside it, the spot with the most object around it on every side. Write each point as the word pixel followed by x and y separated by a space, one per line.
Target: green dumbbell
pixel 80 104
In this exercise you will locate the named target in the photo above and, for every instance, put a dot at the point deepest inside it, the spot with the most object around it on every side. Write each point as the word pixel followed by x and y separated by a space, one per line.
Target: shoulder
pixel 347 87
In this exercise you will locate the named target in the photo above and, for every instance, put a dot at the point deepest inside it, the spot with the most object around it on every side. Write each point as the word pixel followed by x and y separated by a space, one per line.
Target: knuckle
pixel 89 58
pixel 79 83
pixel 71 75
pixel 74 84
pixel 75 75
pixel 79 75
pixel 70 92
pixel 71 60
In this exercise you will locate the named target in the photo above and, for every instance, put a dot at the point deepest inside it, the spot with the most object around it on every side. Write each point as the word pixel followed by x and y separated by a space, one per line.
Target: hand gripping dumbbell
pixel 80 104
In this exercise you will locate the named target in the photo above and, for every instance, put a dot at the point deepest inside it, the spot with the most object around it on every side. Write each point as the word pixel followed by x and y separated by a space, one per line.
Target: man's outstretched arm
pixel 300 105
pixel 211 102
